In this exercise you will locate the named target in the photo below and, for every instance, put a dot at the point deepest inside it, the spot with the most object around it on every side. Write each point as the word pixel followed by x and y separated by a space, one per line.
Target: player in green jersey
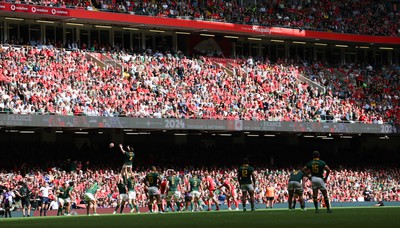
pixel 61 197
pixel 128 159
pixel 122 197
pixel 130 183
pixel 173 187
pixel 68 196
pixel 296 184
pixel 153 181
pixel 316 168
pixel 195 192
pixel 90 196
pixel 246 180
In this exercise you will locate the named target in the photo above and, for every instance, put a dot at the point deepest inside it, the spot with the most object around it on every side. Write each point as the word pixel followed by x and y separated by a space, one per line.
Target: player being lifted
pixel 128 159
pixel 296 186
pixel 246 181
pixel 90 197
pixel 316 168
pixel 122 197
pixel 195 192
pixel 152 181
pixel 173 187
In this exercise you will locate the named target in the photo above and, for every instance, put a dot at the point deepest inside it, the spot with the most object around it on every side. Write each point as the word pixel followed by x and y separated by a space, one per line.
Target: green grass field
pixel 341 217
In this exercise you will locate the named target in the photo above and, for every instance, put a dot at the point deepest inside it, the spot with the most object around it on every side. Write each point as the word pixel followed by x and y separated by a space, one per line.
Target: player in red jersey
pixel 163 188
pixel 230 192
pixel 210 186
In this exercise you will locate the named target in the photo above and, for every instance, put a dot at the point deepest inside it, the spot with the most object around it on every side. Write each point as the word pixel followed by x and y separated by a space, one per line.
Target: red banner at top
pixel 22 8
pixel 209 26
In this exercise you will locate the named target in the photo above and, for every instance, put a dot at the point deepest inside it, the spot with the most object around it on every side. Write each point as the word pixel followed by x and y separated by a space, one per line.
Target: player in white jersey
pixel 44 192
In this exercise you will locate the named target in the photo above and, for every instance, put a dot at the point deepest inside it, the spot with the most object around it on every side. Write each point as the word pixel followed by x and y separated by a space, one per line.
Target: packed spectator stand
pixel 344 185
pixel 43 80
pixel 370 17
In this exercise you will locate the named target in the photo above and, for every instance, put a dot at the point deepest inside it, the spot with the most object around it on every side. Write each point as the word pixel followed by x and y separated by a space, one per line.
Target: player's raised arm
pixel 122 148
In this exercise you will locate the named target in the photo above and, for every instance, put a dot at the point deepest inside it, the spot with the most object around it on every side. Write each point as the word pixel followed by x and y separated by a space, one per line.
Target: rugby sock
pixel 327 203
pixel 236 204
pixel 169 205
pixel 150 208
pixel 45 211
pixel 315 203
pixel 131 206
pixel 59 211
pixel 160 208
pixel 294 204
pixel 178 205
pixel 116 208
pixel 290 202
pixel 122 208
pixel 40 212
pixel 137 208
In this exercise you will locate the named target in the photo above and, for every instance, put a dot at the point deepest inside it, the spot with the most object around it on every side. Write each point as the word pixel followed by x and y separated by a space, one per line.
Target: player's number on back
pixel 244 173
pixel 315 169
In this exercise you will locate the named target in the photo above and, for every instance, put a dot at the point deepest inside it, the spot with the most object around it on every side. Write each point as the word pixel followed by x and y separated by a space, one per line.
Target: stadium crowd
pixel 161 85
pixel 358 17
pixel 344 185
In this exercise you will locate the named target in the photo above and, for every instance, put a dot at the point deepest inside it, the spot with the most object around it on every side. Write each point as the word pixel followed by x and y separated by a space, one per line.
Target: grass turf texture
pixel 341 217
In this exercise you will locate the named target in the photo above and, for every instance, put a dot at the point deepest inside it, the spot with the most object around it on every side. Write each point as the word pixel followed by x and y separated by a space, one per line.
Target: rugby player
pixel 68 197
pixel 316 168
pixel 132 193
pixel 246 180
pixel 61 196
pixel 230 192
pixel 45 202
pixel 90 197
pixel 122 197
pixel 152 181
pixel 296 186
pixel 195 192
pixel 128 159
pixel 210 186
pixel 173 187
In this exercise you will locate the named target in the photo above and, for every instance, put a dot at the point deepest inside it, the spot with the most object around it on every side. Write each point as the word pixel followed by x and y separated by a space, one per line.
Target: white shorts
pixel 89 197
pixel 61 200
pixel 318 183
pixel 153 191
pixel 132 195
pixel 295 187
pixel 173 194
pixel 127 166
pixel 195 194
pixel 247 188
pixel 123 197
pixel 67 200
